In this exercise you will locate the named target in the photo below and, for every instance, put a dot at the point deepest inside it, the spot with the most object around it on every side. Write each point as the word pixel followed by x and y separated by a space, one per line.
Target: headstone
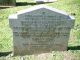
pixel 7 2
pixel 41 1
pixel 40 29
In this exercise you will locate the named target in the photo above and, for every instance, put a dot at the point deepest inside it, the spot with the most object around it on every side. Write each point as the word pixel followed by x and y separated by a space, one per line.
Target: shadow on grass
pixel 5 53
pixel 69 48
pixel 74 48
pixel 29 3
pixel 23 4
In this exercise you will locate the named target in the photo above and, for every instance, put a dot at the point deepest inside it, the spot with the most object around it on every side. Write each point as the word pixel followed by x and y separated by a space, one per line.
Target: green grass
pixel 70 6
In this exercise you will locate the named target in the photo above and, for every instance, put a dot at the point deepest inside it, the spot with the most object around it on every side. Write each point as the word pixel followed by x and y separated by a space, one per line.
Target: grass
pixel 70 6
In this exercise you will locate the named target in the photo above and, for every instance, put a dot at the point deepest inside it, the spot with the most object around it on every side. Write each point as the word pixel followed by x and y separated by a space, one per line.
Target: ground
pixel 6 41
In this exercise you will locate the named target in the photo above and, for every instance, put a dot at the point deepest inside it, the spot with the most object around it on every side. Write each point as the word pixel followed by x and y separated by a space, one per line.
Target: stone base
pixel 51 0
pixel 42 1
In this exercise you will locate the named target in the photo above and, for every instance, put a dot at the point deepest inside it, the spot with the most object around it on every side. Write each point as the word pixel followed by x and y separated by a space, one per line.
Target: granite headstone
pixel 40 29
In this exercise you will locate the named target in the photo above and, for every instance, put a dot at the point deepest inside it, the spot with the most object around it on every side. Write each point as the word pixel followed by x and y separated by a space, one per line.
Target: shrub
pixel 7 2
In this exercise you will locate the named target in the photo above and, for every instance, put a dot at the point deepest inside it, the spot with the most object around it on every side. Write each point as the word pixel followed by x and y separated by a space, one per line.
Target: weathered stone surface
pixel 55 29
pixel 40 29
pixel 48 22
